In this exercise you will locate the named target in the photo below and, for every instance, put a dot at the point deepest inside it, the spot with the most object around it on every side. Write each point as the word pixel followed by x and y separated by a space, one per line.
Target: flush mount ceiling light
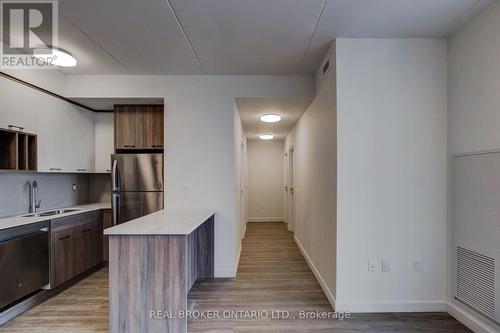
pixel 270 118
pixel 266 136
pixel 55 56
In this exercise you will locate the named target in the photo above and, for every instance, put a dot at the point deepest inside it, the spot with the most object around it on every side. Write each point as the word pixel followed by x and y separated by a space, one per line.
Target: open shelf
pixel 8 150
pixel 18 151
pixel 22 156
pixel 32 152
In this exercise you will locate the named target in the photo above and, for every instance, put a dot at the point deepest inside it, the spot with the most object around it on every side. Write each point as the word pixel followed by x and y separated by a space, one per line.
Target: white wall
pixel 240 170
pixel 265 180
pixel 473 113
pixel 391 174
pixel 474 84
pixel 199 138
pixel 315 179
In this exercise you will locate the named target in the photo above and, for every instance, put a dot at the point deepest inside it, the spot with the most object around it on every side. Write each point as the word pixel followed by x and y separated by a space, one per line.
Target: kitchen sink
pixel 51 212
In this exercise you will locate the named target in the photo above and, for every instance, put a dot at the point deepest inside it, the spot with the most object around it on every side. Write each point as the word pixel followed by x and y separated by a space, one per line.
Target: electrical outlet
pixel 417 264
pixel 74 187
pixel 371 265
pixel 386 265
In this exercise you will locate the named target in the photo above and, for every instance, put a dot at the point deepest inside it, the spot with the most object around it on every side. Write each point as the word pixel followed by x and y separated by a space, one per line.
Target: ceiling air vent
pixel 326 66
pixel 476 281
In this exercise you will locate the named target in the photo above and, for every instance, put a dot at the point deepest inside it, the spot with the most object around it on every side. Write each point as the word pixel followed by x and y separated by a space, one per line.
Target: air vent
pixel 476 281
pixel 326 67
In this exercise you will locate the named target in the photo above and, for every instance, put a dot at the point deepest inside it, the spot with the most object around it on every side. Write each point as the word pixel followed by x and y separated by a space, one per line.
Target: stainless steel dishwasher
pixel 24 261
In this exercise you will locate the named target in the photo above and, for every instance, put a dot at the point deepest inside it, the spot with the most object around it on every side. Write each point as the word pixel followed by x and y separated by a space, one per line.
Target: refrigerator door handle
pixel 114 177
pixel 116 208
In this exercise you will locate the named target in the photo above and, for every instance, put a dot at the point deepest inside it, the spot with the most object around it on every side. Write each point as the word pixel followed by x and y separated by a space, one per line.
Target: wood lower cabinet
pixel 138 127
pixel 107 222
pixel 76 246
pixel 62 257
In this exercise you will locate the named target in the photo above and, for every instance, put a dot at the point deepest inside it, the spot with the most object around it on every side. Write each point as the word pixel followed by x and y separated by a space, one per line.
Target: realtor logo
pixel 28 28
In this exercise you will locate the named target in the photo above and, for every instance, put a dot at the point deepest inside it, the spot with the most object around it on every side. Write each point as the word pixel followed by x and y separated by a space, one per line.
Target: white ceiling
pixel 107 104
pixel 289 108
pixel 238 36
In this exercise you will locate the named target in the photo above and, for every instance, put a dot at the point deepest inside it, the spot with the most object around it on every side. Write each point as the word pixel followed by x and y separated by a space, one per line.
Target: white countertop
pixel 16 221
pixel 164 222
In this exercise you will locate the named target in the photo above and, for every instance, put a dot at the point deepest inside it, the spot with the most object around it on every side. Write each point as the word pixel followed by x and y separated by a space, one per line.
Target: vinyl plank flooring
pixel 272 275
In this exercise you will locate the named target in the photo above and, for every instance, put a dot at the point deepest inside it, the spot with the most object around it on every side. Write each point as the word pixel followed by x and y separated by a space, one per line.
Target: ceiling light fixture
pixel 266 136
pixel 270 118
pixel 55 56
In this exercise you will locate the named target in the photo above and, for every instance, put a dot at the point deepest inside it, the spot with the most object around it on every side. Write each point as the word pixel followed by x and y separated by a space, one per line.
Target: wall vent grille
pixel 476 281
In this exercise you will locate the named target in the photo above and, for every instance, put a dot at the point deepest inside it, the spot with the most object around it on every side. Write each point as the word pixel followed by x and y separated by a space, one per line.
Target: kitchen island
pixel 153 263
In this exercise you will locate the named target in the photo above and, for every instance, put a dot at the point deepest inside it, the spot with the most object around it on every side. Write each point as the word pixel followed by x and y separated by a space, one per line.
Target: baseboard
pixel 266 219
pixel 473 321
pixel 318 276
pixel 380 307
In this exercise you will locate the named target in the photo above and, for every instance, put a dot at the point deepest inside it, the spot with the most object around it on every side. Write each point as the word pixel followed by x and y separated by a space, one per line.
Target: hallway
pixel 272 275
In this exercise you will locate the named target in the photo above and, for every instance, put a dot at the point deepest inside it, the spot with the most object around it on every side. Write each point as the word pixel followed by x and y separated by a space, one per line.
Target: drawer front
pixel 74 220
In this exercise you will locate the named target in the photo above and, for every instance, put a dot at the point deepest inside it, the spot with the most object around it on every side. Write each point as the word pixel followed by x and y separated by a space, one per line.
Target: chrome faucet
pixel 33 191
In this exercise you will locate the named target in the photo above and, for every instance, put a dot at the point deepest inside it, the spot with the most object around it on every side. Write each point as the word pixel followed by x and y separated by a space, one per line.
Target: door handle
pixel 113 175
pixel 115 209
pixel 20 128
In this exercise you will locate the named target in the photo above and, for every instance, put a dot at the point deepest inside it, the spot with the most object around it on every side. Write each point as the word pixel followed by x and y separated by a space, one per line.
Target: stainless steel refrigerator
pixel 137 185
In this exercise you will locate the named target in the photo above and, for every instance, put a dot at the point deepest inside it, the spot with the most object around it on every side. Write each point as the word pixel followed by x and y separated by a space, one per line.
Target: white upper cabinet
pixel 53 118
pixel 18 107
pixel 65 132
pixel 65 136
pixel 80 139
pixel 104 141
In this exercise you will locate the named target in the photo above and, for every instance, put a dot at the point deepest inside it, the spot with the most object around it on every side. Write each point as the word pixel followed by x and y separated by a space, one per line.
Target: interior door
pixel 291 191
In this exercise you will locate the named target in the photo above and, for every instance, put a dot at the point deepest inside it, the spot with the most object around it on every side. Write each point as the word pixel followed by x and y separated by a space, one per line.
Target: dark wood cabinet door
pixel 63 257
pixel 87 248
pixel 128 127
pixel 107 222
pixel 76 243
pixel 153 127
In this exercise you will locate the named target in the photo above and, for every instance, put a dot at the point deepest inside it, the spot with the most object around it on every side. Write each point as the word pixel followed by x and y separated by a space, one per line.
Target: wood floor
pixel 272 275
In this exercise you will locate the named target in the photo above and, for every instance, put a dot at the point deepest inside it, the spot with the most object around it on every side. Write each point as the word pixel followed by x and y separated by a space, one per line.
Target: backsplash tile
pixel 55 191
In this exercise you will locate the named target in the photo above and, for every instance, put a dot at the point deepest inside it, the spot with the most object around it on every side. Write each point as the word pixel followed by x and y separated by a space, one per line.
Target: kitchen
pixel 79 167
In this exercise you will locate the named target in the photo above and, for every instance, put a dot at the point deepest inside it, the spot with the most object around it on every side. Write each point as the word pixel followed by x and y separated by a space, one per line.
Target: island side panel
pixel 205 249
pixel 147 273
pixel 201 252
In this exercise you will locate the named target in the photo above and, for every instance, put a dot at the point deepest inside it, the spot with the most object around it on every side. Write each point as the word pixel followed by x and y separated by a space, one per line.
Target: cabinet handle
pixel 81 169
pixel 86 230
pixel 129 146
pixel 65 237
pixel 157 146
pixel 55 169
pixel 18 127
pixel 108 170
